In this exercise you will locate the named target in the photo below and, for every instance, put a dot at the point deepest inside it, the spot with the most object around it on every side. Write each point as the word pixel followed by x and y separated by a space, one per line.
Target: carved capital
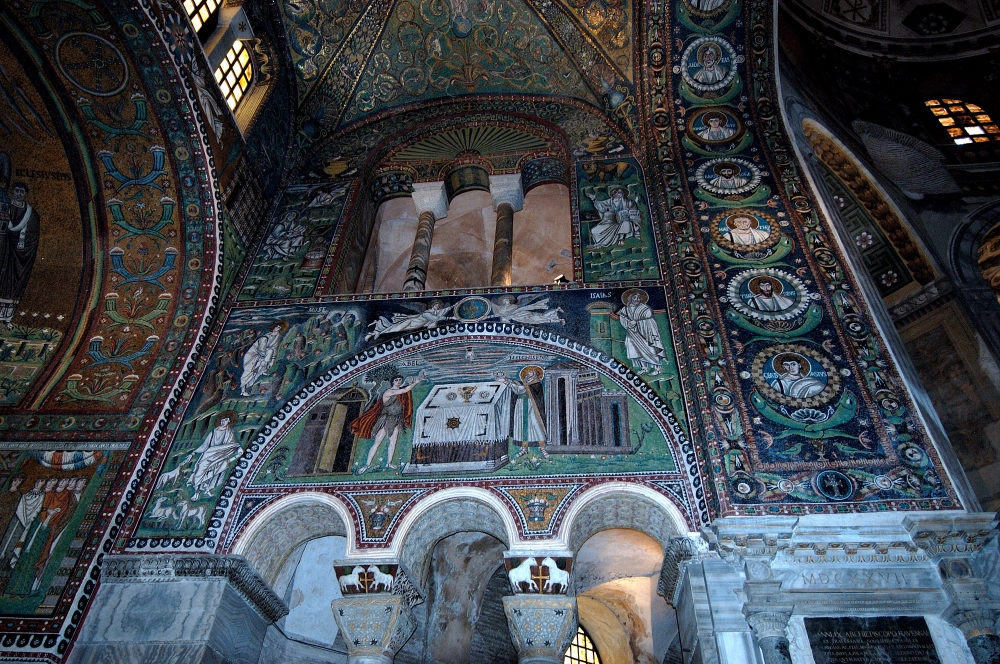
pixel 678 552
pixel 768 623
pixel 507 189
pixel 974 623
pixel 430 197
pixel 542 627
pixel 375 626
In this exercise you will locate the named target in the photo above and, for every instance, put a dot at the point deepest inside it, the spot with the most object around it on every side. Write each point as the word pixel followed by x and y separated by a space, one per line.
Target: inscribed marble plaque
pixel 882 640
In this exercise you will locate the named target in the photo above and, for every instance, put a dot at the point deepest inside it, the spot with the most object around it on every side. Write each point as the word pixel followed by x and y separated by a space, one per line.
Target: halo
pixel 754 285
pixel 643 295
pixel 531 367
pixel 231 414
pixel 282 324
pixel 612 190
pixel 804 366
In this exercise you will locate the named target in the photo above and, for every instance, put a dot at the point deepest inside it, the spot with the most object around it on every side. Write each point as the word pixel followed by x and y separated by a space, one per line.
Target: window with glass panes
pixel 582 650
pixel 965 123
pixel 203 14
pixel 235 74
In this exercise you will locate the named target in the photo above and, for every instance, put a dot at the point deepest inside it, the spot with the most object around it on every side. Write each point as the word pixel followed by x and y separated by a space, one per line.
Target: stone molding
pixel 159 568
pixel 965 534
pixel 928 298
pixel 430 197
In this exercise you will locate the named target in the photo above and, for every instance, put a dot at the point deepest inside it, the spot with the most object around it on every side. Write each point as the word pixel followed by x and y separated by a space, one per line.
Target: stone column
pixel 508 198
pixel 431 202
pixel 374 612
pixel 177 608
pixel 541 615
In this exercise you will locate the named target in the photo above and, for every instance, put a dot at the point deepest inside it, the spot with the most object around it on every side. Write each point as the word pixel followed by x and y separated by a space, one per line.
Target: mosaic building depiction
pixel 508 331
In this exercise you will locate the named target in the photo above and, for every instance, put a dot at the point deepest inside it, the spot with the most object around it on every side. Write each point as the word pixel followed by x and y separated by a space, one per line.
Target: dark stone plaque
pixel 883 640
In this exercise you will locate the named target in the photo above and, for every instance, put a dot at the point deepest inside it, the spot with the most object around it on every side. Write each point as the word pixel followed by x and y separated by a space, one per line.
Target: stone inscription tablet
pixel 888 640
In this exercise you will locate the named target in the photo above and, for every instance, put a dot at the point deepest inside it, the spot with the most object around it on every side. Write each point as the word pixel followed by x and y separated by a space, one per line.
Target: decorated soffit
pixel 499 147
pixel 584 128
pixel 398 52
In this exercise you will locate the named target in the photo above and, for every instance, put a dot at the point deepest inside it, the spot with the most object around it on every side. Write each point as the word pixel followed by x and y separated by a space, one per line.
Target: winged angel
pixel 526 309
pixel 424 318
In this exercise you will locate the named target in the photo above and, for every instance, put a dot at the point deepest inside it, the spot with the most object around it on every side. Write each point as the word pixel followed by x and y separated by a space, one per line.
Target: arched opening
pixel 616 573
pixel 462 251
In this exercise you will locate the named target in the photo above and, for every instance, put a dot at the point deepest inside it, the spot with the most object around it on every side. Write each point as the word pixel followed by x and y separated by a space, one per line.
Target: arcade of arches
pixel 513 331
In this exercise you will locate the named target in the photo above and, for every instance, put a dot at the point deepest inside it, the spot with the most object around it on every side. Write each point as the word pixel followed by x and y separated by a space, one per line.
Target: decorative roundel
pixel 834 485
pixel 706 7
pixel 726 176
pixel 744 230
pixel 912 455
pixel 744 485
pixel 796 376
pixel 91 63
pixel 709 63
pixel 473 308
pixel 883 482
pixel 715 127
pixel 768 294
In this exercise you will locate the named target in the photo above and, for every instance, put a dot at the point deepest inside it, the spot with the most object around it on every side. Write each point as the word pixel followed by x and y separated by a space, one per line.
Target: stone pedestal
pixel 375 626
pixel 177 609
pixel 541 626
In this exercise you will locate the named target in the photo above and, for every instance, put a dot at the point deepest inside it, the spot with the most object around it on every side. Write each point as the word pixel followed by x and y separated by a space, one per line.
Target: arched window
pixel 235 74
pixel 965 123
pixel 582 650
pixel 204 15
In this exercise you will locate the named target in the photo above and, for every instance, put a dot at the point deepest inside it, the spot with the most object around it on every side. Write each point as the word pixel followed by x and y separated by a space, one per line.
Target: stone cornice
pixel 176 567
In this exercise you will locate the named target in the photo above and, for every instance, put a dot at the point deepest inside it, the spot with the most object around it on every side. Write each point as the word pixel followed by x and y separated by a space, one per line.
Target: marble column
pixel 980 634
pixel 769 630
pixel 541 626
pixel 431 202
pixel 375 626
pixel 508 198
pixel 177 609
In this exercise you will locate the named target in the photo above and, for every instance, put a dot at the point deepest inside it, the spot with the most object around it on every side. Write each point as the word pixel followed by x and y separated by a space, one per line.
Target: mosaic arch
pixel 483 418
pixel 108 292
